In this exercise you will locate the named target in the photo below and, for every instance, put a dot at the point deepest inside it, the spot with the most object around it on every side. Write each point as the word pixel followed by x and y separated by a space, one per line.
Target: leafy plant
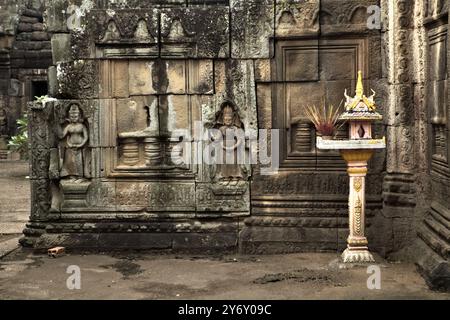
pixel 19 142
pixel 41 99
pixel 324 117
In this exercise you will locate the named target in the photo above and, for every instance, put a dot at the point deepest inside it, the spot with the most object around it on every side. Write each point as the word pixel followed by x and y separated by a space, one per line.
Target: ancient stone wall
pixel 25 55
pixel 128 74
pixel 434 231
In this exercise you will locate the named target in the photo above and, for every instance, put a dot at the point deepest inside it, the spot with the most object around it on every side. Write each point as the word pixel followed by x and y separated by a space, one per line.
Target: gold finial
pixel 359 86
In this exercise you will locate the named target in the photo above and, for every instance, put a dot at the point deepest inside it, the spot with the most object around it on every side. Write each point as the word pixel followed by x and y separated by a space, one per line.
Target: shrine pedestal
pixel 357 250
pixel 356 153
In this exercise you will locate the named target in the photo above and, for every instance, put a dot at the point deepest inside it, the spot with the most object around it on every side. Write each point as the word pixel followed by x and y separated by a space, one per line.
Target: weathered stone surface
pixel 297 18
pixel 222 201
pixel 195 32
pixel 78 79
pixel 155 197
pixel 252 26
pixel 140 80
pixel 61 48
pixel 132 113
pixel 140 71
pixel 201 77
pixel 349 16
pixel 237 83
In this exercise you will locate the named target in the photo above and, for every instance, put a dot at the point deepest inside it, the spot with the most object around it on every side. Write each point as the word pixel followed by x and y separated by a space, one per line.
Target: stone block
pixel 178 113
pixel 132 114
pixel 437 101
pixel 433 267
pixel 141 78
pixel 263 70
pixel 156 196
pixel 195 32
pixel 114 79
pixel 338 64
pixel 78 79
pixel 133 240
pixel 68 240
pixel 275 240
pixel 137 4
pixel 222 201
pixel 252 27
pixel 25 27
pixel 38 27
pixel 302 64
pixel 120 85
pixel 201 77
pixel 176 76
pixel 40 36
pixel 297 18
pixel 107 123
pixel 208 2
pixel 28 20
pixel 206 241
pixel 350 16
pixel 61 48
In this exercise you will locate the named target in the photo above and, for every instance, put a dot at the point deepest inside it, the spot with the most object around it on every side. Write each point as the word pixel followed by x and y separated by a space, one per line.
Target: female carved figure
pixel 233 141
pixel 75 137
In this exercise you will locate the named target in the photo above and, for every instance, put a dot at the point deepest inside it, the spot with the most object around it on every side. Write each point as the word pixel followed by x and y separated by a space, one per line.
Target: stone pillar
pixel 152 153
pixel 357 250
pixel 130 151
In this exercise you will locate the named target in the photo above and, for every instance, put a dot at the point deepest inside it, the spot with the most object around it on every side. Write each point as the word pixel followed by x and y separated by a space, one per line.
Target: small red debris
pixel 56 252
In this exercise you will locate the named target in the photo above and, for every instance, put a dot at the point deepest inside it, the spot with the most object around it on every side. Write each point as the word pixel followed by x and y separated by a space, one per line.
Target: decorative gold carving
pixel 357 184
pixel 360 102
pixel 353 170
pixel 356 155
pixel 357 242
pixel 357 217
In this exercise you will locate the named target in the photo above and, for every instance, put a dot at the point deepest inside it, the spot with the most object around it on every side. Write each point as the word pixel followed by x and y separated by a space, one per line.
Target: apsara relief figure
pixel 74 137
pixel 230 134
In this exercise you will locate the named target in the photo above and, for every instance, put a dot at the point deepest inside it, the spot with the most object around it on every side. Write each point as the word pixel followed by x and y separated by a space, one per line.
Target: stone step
pixel 438 228
pixel 9 245
pixel 434 241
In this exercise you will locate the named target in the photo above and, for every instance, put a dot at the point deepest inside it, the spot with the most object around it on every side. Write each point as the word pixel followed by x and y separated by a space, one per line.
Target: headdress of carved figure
pixel 228 115
pixel 75 114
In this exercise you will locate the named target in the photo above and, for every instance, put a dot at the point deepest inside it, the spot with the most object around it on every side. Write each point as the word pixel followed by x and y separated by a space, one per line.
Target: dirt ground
pixel 24 275
pixel 14 196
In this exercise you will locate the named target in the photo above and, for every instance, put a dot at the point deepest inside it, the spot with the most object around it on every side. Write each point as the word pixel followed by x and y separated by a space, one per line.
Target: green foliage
pixel 19 142
pixel 41 99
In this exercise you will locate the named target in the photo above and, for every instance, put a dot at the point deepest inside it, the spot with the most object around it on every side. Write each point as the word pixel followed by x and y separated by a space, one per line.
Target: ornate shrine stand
pixel 357 151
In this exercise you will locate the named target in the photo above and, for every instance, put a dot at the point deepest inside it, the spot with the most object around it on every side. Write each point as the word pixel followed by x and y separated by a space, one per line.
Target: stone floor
pixel 14 196
pixel 14 203
pixel 24 275
pixel 125 275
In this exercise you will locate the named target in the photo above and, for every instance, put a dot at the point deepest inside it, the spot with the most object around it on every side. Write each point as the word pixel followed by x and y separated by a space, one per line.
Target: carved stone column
pixel 130 151
pixel 357 250
pixel 152 151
